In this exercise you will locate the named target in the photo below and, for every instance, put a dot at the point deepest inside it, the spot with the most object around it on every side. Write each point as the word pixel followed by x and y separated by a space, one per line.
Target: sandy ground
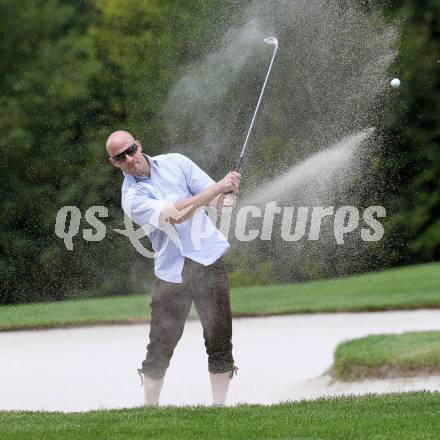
pixel 280 358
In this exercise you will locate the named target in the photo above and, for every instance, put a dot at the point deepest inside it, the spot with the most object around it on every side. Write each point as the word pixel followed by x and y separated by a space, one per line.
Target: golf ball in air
pixel 395 83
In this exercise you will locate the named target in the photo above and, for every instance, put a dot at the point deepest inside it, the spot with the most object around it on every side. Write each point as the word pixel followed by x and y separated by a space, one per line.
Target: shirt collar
pixel 151 160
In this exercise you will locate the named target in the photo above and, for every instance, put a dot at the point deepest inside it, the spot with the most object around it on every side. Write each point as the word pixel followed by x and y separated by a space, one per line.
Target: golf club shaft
pixel 240 160
pixel 229 198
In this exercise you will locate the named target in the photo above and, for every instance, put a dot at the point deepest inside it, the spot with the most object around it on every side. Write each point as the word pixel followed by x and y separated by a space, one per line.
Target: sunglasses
pixel 130 151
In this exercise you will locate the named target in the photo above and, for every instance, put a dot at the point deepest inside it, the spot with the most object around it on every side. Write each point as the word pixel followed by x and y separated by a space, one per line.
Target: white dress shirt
pixel 173 177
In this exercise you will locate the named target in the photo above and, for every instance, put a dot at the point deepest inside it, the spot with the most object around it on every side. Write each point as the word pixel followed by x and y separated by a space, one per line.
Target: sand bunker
pixel 280 358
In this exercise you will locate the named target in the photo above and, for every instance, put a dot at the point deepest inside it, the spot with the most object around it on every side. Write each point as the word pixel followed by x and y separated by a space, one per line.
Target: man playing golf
pixel 163 195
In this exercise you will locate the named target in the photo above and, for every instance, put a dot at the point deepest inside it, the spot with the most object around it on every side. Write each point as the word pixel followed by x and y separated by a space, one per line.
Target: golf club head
pixel 271 40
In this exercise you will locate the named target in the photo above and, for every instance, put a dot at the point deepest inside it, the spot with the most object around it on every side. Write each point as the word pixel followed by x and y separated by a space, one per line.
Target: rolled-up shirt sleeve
pixel 196 179
pixel 142 208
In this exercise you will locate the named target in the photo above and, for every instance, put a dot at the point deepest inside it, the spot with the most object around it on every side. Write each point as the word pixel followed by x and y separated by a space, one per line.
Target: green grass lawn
pixel 405 354
pixel 405 416
pixel 402 288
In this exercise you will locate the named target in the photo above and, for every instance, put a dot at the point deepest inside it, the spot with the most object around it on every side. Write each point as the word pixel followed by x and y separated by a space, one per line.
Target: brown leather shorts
pixel 208 287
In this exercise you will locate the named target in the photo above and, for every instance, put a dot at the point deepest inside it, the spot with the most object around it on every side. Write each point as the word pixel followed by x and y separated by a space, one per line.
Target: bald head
pixel 131 161
pixel 118 141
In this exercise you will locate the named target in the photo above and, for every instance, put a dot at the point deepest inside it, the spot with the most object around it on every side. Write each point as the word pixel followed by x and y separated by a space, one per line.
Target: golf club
pixel 273 41
pixel 228 200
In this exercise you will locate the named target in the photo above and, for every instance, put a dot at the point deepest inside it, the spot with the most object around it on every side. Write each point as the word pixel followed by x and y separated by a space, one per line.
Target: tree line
pixel 72 71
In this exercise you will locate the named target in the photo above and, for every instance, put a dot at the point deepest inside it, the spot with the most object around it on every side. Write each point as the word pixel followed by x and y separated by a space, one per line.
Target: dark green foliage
pixel 411 159
pixel 73 71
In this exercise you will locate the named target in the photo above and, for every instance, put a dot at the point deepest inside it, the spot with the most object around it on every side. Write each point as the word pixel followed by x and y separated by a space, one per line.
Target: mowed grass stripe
pixel 405 416
pixel 395 355
pixel 402 288
pixel 133 308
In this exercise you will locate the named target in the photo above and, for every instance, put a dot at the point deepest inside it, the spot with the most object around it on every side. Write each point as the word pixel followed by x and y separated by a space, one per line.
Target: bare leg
pixel 220 386
pixel 152 389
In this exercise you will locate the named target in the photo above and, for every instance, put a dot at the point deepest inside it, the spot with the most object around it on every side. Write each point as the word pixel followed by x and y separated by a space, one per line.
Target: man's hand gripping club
pixel 221 194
